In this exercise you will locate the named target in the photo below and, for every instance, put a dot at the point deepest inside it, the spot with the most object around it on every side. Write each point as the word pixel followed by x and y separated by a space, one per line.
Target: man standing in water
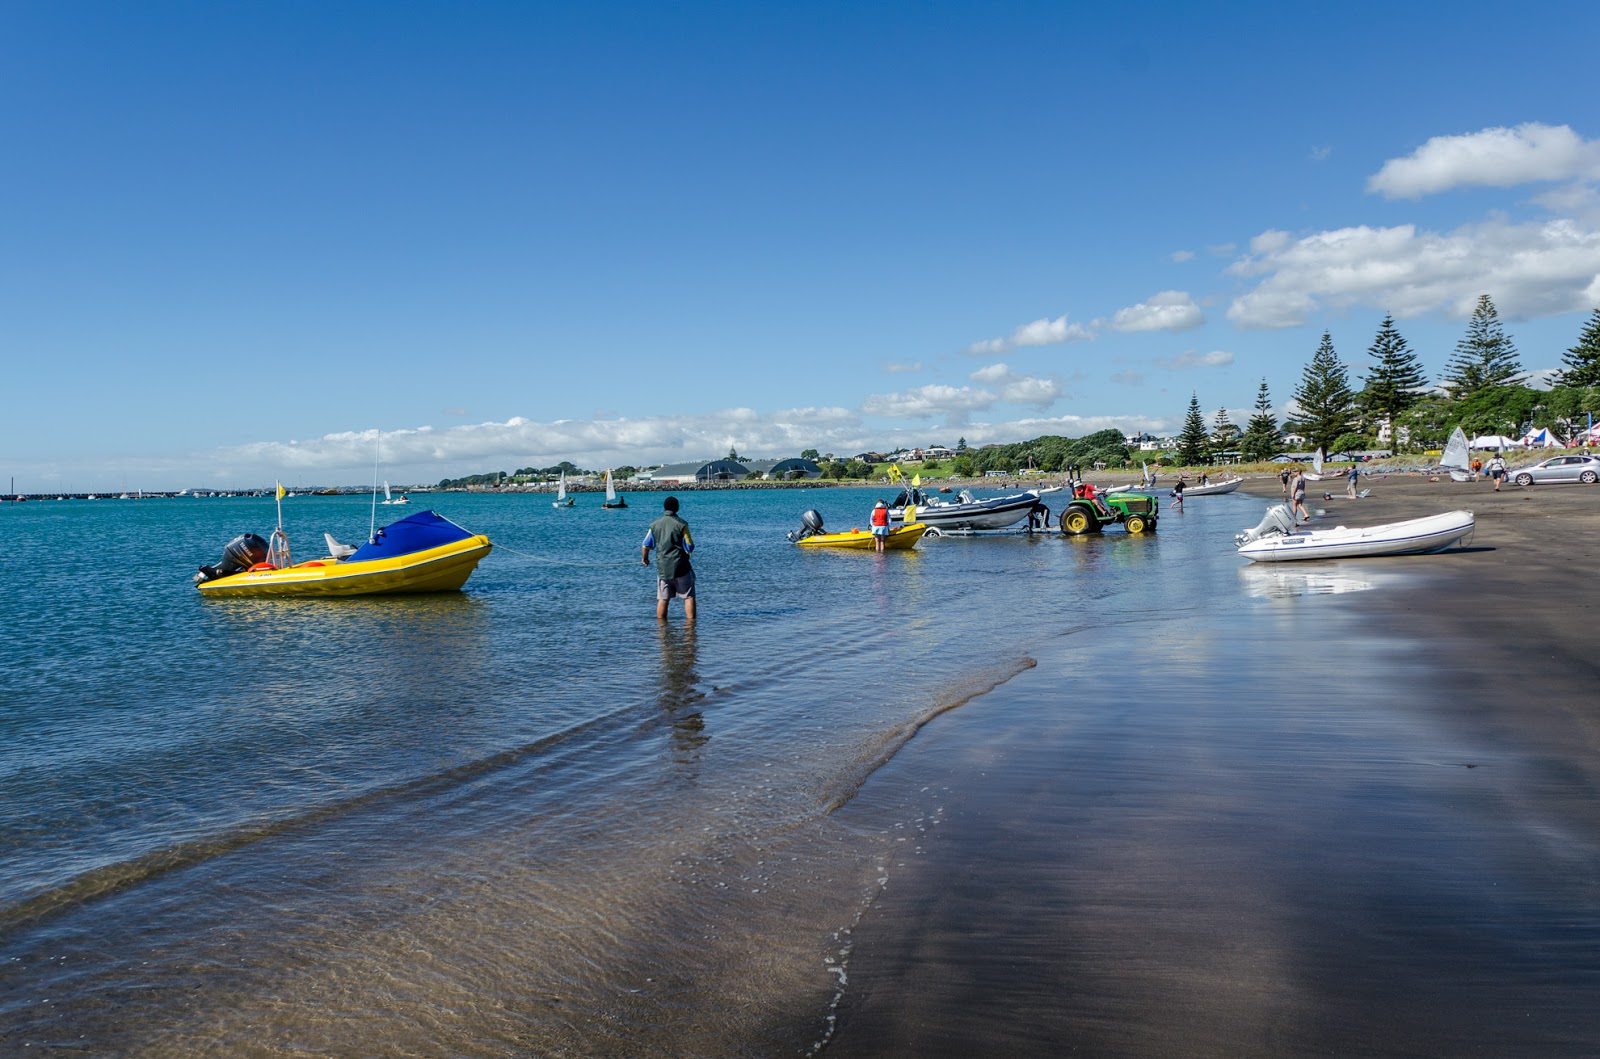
pixel 669 536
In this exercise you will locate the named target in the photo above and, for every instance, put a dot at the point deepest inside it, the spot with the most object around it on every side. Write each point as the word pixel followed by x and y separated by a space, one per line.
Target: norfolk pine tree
pixel 1484 357
pixel 1583 360
pixel 1193 446
pixel 1224 435
pixel 1327 404
pixel 1394 383
pixel 1261 436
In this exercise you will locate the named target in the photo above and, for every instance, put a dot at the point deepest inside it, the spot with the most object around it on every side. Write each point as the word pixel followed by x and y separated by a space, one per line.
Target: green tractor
pixel 1135 511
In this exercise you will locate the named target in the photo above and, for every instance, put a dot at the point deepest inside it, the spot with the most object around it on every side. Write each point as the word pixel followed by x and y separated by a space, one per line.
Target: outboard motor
pixel 810 526
pixel 1279 521
pixel 241 553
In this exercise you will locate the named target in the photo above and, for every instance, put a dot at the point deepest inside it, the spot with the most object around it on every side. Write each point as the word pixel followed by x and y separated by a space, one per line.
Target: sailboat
pixel 388 498
pixel 1316 474
pixel 562 499
pixel 612 499
pixel 1457 458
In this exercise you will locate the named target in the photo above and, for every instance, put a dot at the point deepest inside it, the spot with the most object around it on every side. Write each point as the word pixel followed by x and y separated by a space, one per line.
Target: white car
pixel 1585 469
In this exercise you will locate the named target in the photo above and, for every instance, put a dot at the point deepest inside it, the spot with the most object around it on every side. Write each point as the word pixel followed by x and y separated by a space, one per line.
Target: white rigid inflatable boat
pixel 1275 539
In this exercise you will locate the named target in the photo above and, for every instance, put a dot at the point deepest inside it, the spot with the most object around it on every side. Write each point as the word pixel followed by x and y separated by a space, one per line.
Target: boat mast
pixel 372 528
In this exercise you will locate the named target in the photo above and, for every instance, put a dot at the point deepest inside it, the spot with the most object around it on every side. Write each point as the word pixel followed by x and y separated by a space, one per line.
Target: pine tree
pixel 1261 436
pixel 1224 435
pixel 1484 357
pixel 1395 383
pixel 1193 445
pixel 1327 404
pixel 1583 360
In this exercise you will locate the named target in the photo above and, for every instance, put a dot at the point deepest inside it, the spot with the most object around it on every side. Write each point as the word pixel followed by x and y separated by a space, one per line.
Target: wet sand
pixel 1378 834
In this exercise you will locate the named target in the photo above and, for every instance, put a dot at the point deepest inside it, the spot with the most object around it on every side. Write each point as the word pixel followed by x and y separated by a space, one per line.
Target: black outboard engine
pixel 241 553
pixel 810 526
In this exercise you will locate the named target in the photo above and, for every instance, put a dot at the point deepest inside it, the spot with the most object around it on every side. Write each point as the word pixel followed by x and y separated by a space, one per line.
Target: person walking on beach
pixel 1283 480
pixel 1497 469
pixel 1177 494
pixel 880 526
pixel 1350 487
pixel 1297 495
pixel 669 537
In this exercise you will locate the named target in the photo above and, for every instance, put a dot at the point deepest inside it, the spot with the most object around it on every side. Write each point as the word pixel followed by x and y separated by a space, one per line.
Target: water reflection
pixel 679 690
pixel 1287 581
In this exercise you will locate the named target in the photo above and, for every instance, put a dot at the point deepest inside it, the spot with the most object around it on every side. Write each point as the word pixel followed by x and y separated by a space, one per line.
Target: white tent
pixel 1541 438
pixel 1494 441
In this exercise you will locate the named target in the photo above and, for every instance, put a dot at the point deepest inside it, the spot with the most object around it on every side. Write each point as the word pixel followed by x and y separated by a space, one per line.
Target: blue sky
pixel 241 242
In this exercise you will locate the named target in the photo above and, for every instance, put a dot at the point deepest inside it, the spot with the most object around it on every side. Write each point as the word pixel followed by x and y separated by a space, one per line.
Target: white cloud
pixel 1190 359
pixel 1044 332
pixel 1529 269
pixel 1495 157
pixel 1321 154
pixel 931 400
pixel 427 454
pixel 1180 256
pixel 900 369
pixel 1018 389
pixel 1170 310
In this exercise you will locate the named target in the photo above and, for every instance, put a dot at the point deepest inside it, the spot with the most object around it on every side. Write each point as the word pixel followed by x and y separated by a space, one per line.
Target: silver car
pixel 1585 469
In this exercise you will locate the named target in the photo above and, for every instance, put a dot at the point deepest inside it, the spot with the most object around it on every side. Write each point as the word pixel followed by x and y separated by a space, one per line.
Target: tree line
pixel 1482 390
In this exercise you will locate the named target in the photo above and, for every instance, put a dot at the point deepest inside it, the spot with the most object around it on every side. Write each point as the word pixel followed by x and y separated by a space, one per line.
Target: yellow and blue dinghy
pixel 423 553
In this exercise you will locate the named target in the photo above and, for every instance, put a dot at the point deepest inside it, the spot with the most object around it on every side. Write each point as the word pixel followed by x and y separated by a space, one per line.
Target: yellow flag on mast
pixel 280 491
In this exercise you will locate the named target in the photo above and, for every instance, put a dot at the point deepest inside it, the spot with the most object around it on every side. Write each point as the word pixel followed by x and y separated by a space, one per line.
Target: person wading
pixel 669 537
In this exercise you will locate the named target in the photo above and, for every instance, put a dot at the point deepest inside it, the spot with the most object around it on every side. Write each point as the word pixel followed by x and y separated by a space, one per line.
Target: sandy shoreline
pixel 1410 872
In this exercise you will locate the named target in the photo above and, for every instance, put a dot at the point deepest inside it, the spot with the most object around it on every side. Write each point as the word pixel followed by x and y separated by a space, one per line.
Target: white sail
pixel 1457 457
pixel 561 493
pixel 611 490
pixel 1316 460
pixel 386 495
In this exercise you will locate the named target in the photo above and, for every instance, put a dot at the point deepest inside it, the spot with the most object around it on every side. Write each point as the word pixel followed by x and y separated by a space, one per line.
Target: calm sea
pixel 522 819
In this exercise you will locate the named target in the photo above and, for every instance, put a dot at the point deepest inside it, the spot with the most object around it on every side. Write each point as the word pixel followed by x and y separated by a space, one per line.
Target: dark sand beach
pixel 1385 842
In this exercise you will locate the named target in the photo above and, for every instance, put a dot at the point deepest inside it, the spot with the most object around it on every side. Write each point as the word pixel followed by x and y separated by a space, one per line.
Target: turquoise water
pixel 526 818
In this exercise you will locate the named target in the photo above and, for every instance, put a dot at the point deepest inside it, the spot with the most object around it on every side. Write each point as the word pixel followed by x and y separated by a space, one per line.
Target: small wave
pixel 955 696
pixel 112 878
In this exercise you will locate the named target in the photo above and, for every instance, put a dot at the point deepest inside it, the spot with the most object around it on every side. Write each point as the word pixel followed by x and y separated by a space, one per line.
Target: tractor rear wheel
pixel 1075 521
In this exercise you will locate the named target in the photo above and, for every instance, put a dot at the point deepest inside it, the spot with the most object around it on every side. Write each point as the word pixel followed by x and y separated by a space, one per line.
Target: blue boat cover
pixel 416 533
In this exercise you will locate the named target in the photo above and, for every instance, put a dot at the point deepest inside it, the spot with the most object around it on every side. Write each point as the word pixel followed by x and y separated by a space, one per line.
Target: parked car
pixel 1585 469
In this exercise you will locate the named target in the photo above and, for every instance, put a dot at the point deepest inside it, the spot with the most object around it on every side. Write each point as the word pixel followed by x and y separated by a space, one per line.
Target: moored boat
pixel 425 552
pixel 1211 488
pixel 1276 540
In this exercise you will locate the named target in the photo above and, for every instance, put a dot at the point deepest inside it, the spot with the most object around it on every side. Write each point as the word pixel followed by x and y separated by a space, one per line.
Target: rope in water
pixel 556 562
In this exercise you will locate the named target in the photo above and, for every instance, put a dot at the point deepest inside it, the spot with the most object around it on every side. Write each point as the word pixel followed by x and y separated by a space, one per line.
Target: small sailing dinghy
pixel 389 498
pixel 1275 540
pixel 612 499
pixel 1457 459
pixel 562 499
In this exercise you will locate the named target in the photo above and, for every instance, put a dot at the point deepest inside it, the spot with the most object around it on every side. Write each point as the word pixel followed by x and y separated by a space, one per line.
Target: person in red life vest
pixel 880 525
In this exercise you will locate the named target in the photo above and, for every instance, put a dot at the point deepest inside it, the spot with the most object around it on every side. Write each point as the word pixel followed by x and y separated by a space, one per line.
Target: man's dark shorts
pixel 675 588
